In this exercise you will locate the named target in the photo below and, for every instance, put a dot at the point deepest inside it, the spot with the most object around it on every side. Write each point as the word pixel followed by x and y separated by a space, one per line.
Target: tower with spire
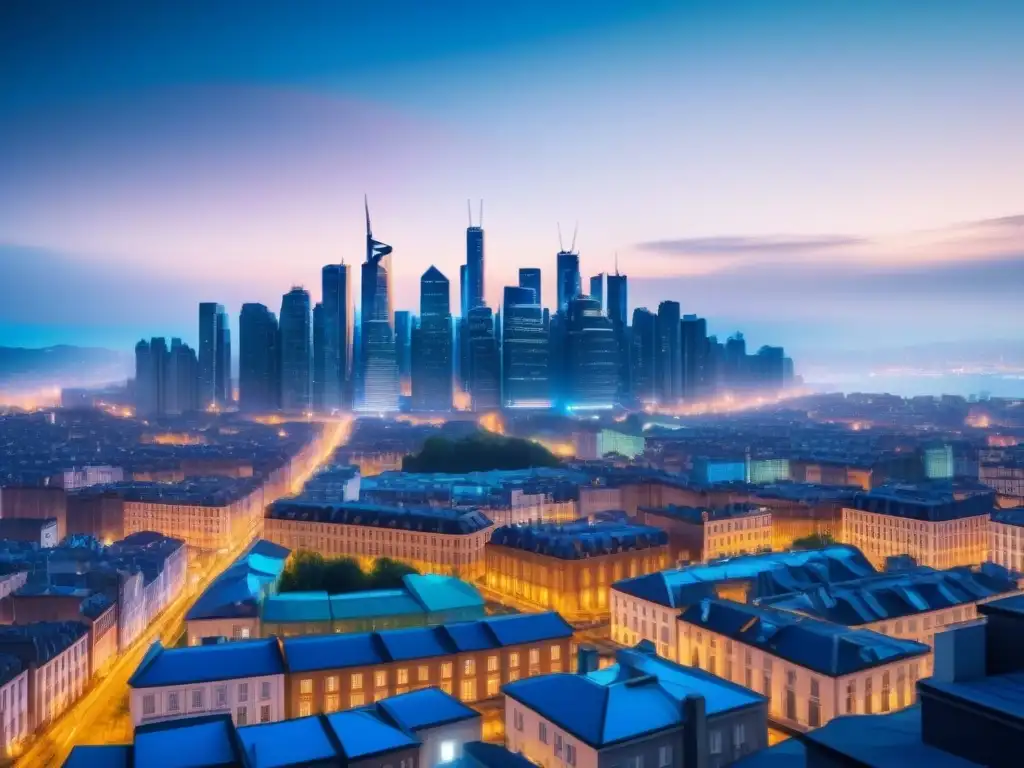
pixel 378 379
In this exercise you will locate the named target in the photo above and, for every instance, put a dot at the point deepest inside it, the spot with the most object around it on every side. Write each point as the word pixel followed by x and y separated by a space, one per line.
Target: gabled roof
pixel 580 539
pixel 206 663
pixel 426 708
pixel 297 742
pixel 363 735
pixel 236 593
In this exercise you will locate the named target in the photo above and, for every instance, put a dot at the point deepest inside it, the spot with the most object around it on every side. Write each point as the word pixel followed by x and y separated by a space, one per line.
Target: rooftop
pixel 579 540
pixel 36 644
pixel 441 520
pixel 770 573
pixel 701 515
pixel 640 695
pixel 10 668
pixel 823 647
pixel 205 663
pixel 926 503
pixel 237 591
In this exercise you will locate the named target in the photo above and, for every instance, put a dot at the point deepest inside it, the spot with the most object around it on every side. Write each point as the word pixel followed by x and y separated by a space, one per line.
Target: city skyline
pixel 775 172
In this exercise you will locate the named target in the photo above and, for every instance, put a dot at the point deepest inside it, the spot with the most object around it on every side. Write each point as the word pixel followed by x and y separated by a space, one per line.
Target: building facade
pixel 701 535
pixel 432 352
pixel 296 334
pixel 525 381
pixel 259 385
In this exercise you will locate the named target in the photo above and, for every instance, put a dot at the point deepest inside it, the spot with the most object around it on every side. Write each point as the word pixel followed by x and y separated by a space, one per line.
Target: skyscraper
pixel 770 365
pixel 336 286
pixel 694 342
pixel 379 377
pixel 525 349
pixel 214 355
pixel 403 350
pixel 668 362
pixel 182 388
pixel 567 268
pixel 736 362
pixel 166 380
pixel 484 361
pixel 597 289
pixel 616 308
pixel 591 357
pixel 643 354
pixel 296 351
pixel 529 277
pixel 259 384
pixel 432 345
pixel 319 357
pixel 475 282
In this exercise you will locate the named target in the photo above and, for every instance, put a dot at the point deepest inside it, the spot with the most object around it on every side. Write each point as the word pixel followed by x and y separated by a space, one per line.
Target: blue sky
pixel 818 174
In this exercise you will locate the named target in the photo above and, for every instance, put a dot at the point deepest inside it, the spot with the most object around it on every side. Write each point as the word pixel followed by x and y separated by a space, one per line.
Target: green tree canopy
pixel 480 452
pixel 814 541
pixel 308 571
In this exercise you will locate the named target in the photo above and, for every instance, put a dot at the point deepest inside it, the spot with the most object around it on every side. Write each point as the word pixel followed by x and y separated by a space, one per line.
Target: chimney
pixel 586 659
pixel 695 731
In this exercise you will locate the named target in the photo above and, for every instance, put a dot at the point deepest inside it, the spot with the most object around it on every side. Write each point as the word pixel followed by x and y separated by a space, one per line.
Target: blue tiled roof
pixel 427 708
pixel 204 663
pixel 790 753
pixel 374 602
pixel 579 540
pixel 10 668
pixel 236 592
pixel 287 743
pixel 206 741
pixel 1012 516
pixel 897 594
pixel 820 646
pixel 443 520
pixel 297 606
pixel 771 573
pixel 480 754
pixel 441 593
pixel 639 696
pixel 107 756
pixel 362 735
pixel 362 649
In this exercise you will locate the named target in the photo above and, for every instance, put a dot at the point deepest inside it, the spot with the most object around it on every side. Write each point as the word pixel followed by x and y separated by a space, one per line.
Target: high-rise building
pixel 166 380
pixel 592 363
pixel 182 389
pixel 319 357
pixel 770 366
pixel 668 362
pixel 643 356
pixel 529 277
pixel 475 283
pixel 336 285
pixel 214 356
pixel 567 268
pixel 259 383
pixel 403 350
pixel 736 368
pixel 597 289
pixel 296 352
pixel 615 307
pixel 525 351
pixel 693 336
pixel 378 382
pixel 147 397
pixel 432 345
pixel 484 361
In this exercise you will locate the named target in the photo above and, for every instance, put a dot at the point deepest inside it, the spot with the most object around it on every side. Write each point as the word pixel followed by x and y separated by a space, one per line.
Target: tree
pixel 388 573
pixel 311 572
pixel 480 452
pixel 814 541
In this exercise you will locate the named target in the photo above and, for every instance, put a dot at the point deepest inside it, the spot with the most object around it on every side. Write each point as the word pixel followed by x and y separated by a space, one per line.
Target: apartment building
pixel 431 539
pixel 13 580
pixel 937 529
pixel 245 680
pixel 642 711
pixel 569 568
pixel 14 713
pixel 469 660
pixel 41 532
pixel 1006 539
pixel 700 534
pixel 645 608
pixel 809 670
pixel 55 656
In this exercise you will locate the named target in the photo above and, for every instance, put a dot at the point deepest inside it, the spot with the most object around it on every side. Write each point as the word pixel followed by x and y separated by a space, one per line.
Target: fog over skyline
pixel 821 175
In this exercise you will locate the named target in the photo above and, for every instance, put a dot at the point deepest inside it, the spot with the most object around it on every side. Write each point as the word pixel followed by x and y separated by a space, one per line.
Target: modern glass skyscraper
pixel 182 388
pixel 616 308
pixel 597 289
pixel 525 349
pixel 225 392
pixel 319 357
pixel 432 345
pixel 529 277
pixel 643 354
pixel 484 361
pixel 379 377
pixel 296 352
pixel 592 357
pixel 259 383
pixel 694 341
pixel 567 268
pixel 668 363
pixel 403 350
pixel 336 286
pixel 214 355
pixel 475 282
pixel 166 380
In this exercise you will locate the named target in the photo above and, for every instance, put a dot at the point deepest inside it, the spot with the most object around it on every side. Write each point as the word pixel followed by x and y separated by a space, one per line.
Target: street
pixel 105 704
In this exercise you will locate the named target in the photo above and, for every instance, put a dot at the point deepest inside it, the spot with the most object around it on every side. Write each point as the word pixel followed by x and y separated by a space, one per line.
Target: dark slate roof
pixel 923 504
pixel 1012 516
pixel 823 647
pixel 314 652
pixel 635 698
pixel 790 753
pixel 1011 606
pixel 10 668
pixel 580 539
pixel 37 643
pixel 898 594
pixel 697 515
pixel 204 663
pixel 444 520
pixel 302 741
pixel 770 573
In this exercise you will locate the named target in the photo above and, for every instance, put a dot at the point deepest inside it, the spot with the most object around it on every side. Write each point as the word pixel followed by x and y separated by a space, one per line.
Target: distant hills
pixel 25 370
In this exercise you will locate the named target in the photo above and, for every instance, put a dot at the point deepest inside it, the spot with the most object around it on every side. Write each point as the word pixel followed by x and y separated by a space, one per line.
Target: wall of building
pixel 737 535
pixel 935 544
pixel 14 714
pixel 103 639
pixel 522 734
pixel 1006 545
pixel 57 684
pixel 439 745
pixel 36 503
pixel 633 620
pixel 232 629
pixel 248 700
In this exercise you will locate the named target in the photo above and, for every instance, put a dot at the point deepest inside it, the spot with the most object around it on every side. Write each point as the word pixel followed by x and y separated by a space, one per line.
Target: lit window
pixel 447 751
pixel 305 686
pixel 332 684
pixel 446 670
pixel 513 659
pixel 402 675
pixel 357 681
pixel 469 667
pixel 556 653
pixel 492 663
pixel 305 709
pixel 356 700
pixel 380 678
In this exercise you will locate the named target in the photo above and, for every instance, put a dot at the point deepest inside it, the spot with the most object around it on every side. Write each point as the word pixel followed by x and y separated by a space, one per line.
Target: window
pixel 868 708
pixel 558 745
pixel 534 656
pixel 447 751
pixel 814 705
pixel 851 694
pixel 493 685
pixel 664 756
pixel 402 676
pixel 715 740
pixel 264 691
pixel 356 700
pixel 197 698
pixel 265 713
pixel 492 663
pixel 513 659
pixel 380 678
pixel 241 716
pixel 221 696
pixel 468 690
pixel 885 691
pixel 570 754
pixel 331 702
pixel 357 681
pixel 306 686
pixel 148 703
pixel 423 674
pixel 331 684
pixel 517 719
pixel 469 667
pixel 739 737
pixel 542 732
pixel 305 709
pixel 446 670
pixel 556 653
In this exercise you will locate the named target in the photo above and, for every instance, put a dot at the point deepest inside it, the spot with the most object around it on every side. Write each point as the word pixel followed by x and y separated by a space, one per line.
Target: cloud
pixel 739 246
pixel 999 222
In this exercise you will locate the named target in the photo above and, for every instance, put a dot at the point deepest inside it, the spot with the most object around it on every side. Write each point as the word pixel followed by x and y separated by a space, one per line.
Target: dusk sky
pixel 816 174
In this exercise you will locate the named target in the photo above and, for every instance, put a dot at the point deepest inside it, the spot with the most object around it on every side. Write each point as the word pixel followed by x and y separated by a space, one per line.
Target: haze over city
pixel 829 177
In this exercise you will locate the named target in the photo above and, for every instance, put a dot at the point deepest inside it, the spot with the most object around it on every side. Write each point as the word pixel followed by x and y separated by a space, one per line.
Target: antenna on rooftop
pixel 481 225
pixel 616 262
pixel 575 230
pixel 366 204
pixel 561 246
pixel 469 211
